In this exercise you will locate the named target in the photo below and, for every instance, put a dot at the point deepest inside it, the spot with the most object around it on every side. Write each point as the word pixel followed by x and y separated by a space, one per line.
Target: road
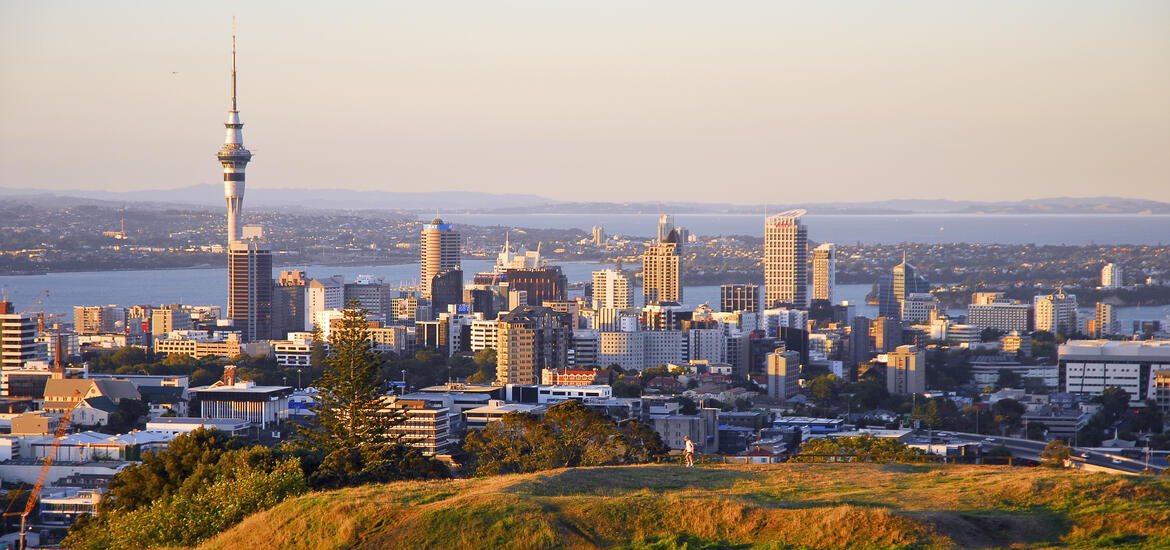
pixel 1024 448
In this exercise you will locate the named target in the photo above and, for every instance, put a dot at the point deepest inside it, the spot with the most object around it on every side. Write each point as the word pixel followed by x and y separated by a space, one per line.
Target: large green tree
pixel 350 412
pixel 352 426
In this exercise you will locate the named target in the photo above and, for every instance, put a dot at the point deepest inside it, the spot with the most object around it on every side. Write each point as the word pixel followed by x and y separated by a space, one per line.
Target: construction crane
pixel 33 495
pixel 35 303
pixel 41 318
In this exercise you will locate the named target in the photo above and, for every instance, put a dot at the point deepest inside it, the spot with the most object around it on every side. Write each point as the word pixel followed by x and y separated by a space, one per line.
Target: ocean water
pixel 873 229
pixel 208 286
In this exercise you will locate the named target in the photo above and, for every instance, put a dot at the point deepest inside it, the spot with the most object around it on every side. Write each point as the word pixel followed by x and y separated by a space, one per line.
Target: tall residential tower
pixel 825 272
pixel 660 270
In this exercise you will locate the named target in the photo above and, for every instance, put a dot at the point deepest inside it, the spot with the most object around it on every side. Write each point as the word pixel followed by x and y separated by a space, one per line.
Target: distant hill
pixel 211 195
pixel 260 197
pixel 776 506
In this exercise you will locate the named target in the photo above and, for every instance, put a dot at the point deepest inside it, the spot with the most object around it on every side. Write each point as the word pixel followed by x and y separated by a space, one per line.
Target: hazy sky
pixel 740 101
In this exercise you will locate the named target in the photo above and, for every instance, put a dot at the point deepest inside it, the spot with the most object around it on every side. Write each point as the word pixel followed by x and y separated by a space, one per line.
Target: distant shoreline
pixel 197 266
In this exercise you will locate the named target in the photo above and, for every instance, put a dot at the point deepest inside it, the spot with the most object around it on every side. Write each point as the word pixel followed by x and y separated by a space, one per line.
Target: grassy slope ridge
pixel 782 506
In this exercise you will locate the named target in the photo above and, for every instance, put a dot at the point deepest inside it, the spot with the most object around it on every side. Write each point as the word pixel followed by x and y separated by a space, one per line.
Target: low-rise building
pixel 1062 423
pixel 424 426
pixel 702 428
pixel 259 405
pixel 568 377
pixel 477 418
pixel 199 344
pixel 180 425
pixel 61 506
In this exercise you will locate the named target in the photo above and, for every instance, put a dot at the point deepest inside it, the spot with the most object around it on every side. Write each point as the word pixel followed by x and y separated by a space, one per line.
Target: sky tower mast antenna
pixel 234 63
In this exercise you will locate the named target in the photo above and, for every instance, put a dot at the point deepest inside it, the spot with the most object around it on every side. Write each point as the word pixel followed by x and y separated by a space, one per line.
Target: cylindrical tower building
pixel 234 158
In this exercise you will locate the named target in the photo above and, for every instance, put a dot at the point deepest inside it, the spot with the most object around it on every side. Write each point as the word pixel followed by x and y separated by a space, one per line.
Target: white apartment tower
pixel 785 260
pixel 440 252
pixel 323 295
pixel 1111 276
pixel 611 290
pixel 18 338
pixel 825 272
pixel 1056 313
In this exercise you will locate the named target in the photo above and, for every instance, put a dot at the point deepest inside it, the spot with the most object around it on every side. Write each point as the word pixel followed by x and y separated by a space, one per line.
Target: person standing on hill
pixel 689 452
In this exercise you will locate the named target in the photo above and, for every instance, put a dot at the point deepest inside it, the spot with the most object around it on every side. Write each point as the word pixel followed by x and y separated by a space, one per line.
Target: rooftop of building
pixel 496 406
pixel 243 387
pixel 221 423
pixel 1115 348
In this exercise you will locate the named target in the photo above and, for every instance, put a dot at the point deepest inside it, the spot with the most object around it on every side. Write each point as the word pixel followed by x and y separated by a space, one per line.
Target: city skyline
pixel 619 101
pixel 345 373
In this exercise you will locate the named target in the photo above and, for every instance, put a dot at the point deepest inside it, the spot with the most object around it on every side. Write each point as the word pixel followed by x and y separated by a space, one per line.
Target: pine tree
pixel 350 411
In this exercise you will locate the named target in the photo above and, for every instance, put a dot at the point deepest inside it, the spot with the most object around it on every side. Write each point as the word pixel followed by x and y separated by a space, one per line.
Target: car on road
pixel 989 439
pixel 1117 461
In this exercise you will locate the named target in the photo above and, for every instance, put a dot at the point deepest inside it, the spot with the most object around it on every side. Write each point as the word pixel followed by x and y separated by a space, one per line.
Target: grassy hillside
pixel 780 506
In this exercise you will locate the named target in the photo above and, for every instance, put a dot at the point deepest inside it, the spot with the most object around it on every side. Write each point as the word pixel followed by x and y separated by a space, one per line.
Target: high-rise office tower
pixel 660 270
pixel 440 252
pixel 825 272
pixel 611 290
pixel 1111 275
pixel 529 339
pixel 446 290
pixel 18 338
pixel 783 373
pixel 886 333
pixel 906 371
pixel 894 288
pixel 234 158
pixel 739 297
pixel 288 304
pixel 785 260
pixel 371 294
pixel 250 290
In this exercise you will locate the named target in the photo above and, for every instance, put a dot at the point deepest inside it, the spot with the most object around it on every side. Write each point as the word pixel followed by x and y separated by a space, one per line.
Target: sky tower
pixel 234 158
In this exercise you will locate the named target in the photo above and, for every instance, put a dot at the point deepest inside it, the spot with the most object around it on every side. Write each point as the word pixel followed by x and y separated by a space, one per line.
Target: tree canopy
pixel 569 435
pixel 863 448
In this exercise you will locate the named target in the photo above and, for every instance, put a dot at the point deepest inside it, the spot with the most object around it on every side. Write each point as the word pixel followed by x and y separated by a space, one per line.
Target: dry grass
pixel 778 506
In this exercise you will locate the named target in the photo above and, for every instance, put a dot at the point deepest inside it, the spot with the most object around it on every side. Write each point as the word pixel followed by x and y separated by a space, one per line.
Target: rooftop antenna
pixel 234 63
